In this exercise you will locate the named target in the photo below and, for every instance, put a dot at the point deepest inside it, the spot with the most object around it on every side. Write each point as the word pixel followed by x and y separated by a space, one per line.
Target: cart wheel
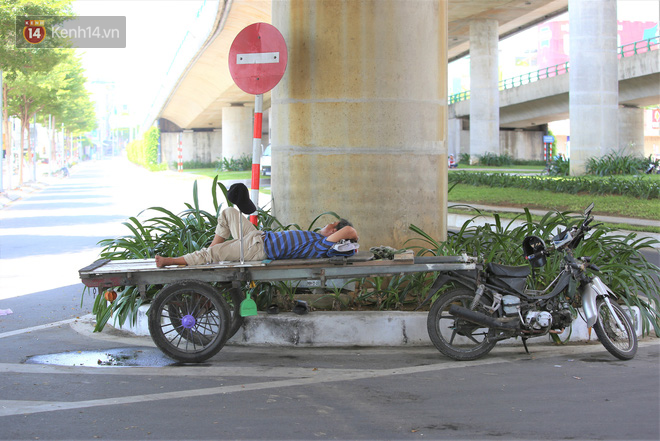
pixel 189 321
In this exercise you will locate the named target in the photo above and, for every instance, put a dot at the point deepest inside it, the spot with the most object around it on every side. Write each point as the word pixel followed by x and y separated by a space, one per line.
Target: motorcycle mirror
pixel 587 211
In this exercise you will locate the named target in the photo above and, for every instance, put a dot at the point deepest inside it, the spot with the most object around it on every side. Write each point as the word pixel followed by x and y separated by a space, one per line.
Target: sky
pixel 156 29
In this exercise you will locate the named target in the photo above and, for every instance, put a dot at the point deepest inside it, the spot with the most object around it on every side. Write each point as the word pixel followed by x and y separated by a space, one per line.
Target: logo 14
pixel 34 31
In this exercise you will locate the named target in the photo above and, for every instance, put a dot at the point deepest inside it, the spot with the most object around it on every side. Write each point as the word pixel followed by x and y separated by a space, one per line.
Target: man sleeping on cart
pixel 261 245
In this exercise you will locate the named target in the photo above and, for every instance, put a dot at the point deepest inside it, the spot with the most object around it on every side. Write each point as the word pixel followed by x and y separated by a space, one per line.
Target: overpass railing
pixel 638 47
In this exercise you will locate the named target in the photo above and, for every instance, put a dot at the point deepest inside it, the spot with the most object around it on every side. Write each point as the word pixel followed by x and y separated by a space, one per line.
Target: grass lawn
pixel 545 200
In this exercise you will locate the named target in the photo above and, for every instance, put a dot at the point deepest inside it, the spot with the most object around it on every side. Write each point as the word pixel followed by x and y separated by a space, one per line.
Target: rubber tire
pixel 465 296
pixel 211 344
pixel 604 330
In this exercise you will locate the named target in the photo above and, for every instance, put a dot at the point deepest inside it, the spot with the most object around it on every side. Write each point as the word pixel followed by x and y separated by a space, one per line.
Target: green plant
pixel 491 159
pixel 464 158
pixel 616 164
pixel 191 165
pixel 144 151
pixel 560 166
pixel 236 164
pixel 628 274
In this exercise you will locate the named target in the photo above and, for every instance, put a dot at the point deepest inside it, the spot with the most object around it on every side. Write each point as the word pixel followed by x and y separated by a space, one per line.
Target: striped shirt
pixel 297 244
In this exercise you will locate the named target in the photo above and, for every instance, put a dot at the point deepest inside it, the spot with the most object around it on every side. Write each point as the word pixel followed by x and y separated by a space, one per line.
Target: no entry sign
pixel 257 58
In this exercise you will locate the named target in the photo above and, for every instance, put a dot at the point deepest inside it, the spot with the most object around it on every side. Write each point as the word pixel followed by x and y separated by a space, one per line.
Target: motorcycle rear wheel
pixel 457 338
pixel 622 343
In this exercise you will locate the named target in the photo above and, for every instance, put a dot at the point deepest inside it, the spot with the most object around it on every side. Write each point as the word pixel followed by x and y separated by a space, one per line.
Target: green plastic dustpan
pixel 248 307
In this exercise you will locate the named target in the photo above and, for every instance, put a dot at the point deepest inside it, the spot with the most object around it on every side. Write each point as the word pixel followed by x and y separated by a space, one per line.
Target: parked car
pixel 265 161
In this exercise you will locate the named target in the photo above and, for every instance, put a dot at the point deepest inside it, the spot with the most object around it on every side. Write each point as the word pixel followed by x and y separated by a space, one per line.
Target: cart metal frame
pixel 190 320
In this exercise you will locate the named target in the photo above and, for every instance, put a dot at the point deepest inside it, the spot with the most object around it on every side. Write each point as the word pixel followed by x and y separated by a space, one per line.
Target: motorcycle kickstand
pixel 524 341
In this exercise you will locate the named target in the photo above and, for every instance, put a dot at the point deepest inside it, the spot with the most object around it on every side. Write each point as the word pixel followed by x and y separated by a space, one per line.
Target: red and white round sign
pixel 257 58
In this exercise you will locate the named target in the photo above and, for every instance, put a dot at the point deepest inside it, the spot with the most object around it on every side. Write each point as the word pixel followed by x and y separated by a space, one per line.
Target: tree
pixel 18 65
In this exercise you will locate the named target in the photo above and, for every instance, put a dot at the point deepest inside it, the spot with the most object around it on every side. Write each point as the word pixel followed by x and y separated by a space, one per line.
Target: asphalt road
pixel 60 381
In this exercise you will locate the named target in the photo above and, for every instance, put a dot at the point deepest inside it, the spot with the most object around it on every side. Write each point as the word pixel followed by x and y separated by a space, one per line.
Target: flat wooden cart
pixel 197 310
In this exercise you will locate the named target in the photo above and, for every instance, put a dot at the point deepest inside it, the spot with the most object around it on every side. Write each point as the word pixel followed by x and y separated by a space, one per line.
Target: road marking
pixel 302 377
pixel 46 326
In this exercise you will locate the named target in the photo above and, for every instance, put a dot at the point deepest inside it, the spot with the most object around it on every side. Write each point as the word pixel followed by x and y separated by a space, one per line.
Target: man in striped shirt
pixel 259 245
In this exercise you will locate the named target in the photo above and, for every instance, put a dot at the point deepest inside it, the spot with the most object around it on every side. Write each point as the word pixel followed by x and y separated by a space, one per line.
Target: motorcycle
pixel 466 321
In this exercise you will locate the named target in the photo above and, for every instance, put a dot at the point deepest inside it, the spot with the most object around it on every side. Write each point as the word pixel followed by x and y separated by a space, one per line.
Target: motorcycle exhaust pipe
pixel 481 319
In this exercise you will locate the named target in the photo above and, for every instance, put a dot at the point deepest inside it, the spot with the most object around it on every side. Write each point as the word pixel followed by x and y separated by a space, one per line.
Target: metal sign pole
pixel 256 152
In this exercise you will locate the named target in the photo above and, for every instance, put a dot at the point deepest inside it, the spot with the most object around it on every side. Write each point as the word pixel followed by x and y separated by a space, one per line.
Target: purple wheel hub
pixel 188 321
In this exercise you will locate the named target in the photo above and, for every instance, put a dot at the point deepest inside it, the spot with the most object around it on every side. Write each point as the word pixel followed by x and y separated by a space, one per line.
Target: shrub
pixel 144 151
pixel 189 165
pixel 617 164
pixel 236 164
pixel 491 159
pixel 638 186
pixel 560 166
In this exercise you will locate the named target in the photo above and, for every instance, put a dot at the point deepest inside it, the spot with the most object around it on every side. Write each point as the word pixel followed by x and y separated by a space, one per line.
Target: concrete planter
pixel 343 329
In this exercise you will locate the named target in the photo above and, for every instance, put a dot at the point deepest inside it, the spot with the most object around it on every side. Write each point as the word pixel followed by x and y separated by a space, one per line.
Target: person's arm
pixel 345 233
pixel 216 240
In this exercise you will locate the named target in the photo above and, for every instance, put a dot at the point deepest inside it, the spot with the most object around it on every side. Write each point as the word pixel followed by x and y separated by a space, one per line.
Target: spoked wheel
pixel 618 336
pixel 189 321
pixel 457 338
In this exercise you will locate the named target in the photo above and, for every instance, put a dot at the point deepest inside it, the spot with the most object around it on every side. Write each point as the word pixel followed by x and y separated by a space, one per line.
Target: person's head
pixel 334 227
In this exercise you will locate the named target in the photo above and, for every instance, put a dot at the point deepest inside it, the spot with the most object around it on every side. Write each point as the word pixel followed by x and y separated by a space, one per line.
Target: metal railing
pixel 638 47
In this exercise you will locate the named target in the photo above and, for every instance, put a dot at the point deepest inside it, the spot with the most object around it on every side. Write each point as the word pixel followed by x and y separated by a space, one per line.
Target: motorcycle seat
pixel 507 270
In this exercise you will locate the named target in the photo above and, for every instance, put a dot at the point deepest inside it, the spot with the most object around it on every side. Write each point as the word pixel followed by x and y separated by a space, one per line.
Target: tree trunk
pixel 21 157
pixel 6 133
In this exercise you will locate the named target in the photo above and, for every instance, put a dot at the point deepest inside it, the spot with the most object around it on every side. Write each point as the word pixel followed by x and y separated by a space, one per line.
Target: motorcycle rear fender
pixel 591 292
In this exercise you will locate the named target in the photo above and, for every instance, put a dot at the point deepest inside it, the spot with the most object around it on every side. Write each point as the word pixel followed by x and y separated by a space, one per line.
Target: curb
pixel 346 329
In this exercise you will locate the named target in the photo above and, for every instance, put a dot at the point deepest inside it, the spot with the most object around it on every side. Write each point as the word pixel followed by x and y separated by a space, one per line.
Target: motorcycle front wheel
pixel 457 338
pixel 620 341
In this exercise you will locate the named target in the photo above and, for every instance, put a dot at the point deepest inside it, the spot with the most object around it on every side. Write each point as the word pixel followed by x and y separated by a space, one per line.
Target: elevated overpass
pixel 542 97
pixel 530 101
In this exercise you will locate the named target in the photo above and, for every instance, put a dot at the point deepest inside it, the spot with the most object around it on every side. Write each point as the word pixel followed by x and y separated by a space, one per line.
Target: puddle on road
pixel 124 357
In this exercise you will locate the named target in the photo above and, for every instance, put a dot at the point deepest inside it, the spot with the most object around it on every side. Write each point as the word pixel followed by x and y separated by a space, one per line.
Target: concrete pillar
pixel 631 130
pixel 237 131
pixel 216 145
pixel 454 131
pixel 187 145
pixel 593 76
pixel 484 93
pixel 359 119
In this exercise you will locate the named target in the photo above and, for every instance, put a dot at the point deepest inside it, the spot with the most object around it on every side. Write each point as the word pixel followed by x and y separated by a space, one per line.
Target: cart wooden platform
pixel 190 319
